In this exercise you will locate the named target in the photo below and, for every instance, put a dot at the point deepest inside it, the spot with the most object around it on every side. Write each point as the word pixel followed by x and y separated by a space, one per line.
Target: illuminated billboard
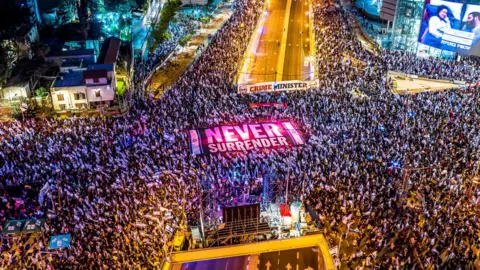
pixel 244 137
pixel 451 26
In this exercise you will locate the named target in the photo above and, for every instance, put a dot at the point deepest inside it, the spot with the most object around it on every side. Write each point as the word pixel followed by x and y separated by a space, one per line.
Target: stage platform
pixel 306 252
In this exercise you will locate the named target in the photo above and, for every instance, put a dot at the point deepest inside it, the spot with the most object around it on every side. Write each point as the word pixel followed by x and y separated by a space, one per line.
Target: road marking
pixel 298 255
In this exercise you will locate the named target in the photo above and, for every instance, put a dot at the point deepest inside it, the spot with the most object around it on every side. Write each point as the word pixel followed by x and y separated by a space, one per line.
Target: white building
pixel 84 89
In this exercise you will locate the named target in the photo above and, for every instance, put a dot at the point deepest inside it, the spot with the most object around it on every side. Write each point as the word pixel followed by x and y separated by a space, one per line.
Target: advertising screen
pixel 451 26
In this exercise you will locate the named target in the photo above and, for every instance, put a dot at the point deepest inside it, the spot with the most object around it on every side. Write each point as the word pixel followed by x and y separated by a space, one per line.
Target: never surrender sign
pixel 244 137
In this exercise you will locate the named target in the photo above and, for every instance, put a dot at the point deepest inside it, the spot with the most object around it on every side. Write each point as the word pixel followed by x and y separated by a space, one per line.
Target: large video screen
pixel 451 26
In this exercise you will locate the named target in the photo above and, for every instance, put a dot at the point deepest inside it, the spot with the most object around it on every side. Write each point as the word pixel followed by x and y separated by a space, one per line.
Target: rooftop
pixel 107 67
pixel 94 74
pixel 81 52
pixel 69 79
pixel 24 70
pixel 109 51
pixel 72 63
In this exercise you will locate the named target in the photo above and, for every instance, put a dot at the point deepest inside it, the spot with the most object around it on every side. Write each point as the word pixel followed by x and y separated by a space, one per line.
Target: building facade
pixel 91 88
pixel 406 28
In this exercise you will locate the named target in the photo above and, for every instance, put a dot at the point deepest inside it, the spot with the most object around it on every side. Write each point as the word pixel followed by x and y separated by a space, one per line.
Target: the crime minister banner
pixel 244 137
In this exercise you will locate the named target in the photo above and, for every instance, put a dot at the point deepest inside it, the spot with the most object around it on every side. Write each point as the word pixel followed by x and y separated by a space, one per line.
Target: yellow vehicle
pixel 179 241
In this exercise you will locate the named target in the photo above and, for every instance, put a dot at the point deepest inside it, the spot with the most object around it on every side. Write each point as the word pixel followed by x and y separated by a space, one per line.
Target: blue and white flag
pixel 42 193
pixel 169 137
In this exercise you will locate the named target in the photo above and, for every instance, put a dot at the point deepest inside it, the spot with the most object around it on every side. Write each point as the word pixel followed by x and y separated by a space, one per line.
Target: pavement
pixel 264 65
pixel 179 62
pixel 417 85
pixel 298 45
pixel 283 45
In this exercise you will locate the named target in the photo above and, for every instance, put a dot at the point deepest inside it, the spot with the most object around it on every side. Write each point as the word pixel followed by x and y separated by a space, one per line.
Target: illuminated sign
pixel 451 26
pixel 276 86
pixel 244 137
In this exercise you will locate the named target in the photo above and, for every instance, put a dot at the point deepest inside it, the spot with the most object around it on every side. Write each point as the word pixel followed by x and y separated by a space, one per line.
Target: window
pixel 79 96
pixel 97 94
pixel 63 107
pixel 80 105
pixel 60 97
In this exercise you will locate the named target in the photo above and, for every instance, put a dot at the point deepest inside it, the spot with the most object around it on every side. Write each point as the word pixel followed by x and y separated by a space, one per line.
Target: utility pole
pixel 288 179
pixel 200 200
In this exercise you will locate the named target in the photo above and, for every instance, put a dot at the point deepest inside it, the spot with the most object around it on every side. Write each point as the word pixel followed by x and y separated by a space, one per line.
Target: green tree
pixel 13 18
pixel 122 6
pixel 159 31
pixel 97 6
pixel 67 8
pixel 8 57
pixel 184 41
pixel 41 92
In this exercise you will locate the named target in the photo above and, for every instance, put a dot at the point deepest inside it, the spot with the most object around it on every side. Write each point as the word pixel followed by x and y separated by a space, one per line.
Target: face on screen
pixel 443 13
pixel 451 26
pixel 469 18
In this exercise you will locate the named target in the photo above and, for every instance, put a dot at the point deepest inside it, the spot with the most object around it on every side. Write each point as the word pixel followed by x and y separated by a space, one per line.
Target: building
pixel 24 80
pixel 402 20
pixel 90 88
pixel 407 26
pixel 59 57
pixel 109 52
pixel 33 7
pixel 82 84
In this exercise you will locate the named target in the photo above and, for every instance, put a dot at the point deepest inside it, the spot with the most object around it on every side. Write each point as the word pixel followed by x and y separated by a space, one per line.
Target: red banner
pixel 244 137
pixel 261 105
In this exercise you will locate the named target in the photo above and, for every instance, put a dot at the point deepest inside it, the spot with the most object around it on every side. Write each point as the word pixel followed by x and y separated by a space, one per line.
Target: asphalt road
pixel 297 45
pixel 219 264
pixel 295 259
pixel 264 66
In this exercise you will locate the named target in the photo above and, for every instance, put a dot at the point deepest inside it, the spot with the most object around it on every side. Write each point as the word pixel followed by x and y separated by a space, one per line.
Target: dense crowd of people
pixel 387 175
pixel 465 70
pixel 181 26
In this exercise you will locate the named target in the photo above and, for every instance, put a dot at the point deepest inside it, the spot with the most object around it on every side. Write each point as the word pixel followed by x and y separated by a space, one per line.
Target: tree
pixel 159 31
pixel 67 8
pixel 184 41
pixel 122 6
pixel 8 57
pixel 13 17
pixel 4 66
pixel 97 6
pixel 41 92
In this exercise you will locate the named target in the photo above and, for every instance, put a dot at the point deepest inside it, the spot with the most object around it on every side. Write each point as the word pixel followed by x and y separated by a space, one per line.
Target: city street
pixel 280 54
pixel 297 48
pixel 266 58
pixel 177 64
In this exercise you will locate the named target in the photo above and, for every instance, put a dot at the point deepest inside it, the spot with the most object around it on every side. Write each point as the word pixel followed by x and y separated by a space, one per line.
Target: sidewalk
pixel 177 63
